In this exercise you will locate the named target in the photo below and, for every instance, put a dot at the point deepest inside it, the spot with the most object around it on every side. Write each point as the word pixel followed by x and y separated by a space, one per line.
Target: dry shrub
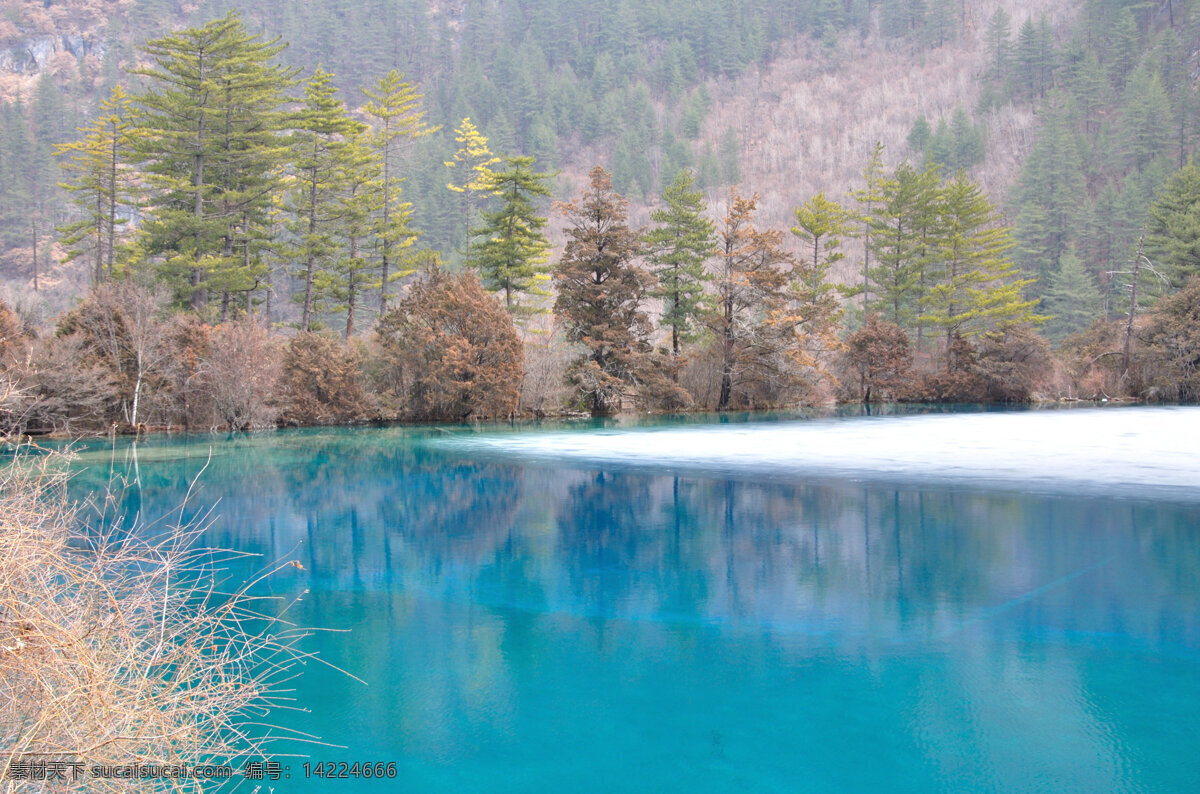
pixel 240 375
pixel 182 398
pixel 70 391
pixel 1171 343
pixel 1013 365
pixel 543 387
pixel 701 376
pixel 877 362
pixel 322 382
pixel 119 328
pixel 452 350
pixel 118 647
pixel 1091 360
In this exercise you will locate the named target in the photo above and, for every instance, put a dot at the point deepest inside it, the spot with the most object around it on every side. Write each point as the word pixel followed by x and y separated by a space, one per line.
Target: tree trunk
pixel 727 359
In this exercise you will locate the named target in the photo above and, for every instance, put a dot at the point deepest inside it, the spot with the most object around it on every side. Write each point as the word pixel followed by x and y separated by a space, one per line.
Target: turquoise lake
pixel 969 602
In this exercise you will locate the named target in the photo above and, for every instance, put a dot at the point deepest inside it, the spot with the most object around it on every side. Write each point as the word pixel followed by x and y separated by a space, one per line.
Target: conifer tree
pixel 678 247
pixel 212 147
pixel 395 106
pixel 1173 234
pixel 600 293
pixel 751 282
pixel 1071 300
pixel 869 197
pixel 814 308
pixel 102 182
pixel 345 284
pixel 512 249
pixel 475 160
pixel 997 40
pixel 323 155
pixel 901 244
pixel 979 287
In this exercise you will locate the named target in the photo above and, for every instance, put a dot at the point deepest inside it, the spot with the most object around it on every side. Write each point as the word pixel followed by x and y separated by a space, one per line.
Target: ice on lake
pixel 1126 451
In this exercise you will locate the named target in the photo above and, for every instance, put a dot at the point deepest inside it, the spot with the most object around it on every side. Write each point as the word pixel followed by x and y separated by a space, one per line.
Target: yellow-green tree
pixel 395 108
pixel 473 163
pixel 979 288
pixel 102 181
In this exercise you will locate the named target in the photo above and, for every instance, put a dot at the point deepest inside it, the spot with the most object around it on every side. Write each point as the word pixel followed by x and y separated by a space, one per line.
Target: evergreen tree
pixel 1050 196
pixel 600 293
pixel 395 107
pixel 211 147
pixel 1146 121
pixel 900 241
pixel 1173 234
pixel 102 182
pixel 677 248
pixel 814 308
pixel 512 249
pixel 322 158
pixel 869 197
pixel 343 286
pixel 997 40
pixel 979 287
pixel 476 161
pixel 751 287
pixel 1071 300
pixel 920 134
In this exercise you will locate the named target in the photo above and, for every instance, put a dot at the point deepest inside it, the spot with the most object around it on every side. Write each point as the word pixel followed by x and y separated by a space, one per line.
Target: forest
pixel 265 233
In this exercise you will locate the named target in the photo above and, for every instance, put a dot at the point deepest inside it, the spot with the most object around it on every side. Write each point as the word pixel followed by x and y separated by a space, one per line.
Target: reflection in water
pixel 531 628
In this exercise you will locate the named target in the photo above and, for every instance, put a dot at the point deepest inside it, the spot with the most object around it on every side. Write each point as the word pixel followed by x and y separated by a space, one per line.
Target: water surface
pixel 831 605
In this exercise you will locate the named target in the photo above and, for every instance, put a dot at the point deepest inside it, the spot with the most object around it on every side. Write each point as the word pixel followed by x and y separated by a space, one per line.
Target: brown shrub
pixel 119 648
pixel 1171 344
pixel 239 375
pixel 450 350
pixel 182 397
pixel 321 382
pixel 1091 361
pixel 877 362
pixel 1014 365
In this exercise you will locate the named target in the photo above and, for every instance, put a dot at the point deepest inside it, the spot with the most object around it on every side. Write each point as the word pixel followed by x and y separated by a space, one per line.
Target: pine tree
pixel 978 288
pixel 677 248
pixel 395 107
pixel 814 309
pixel 751 283
pixel 476 161
pixel 359 205
pixel 600 293
pixel 869 198
pixel 323 153
pixel 1071 300
pixel 1173 234
pixel 997 40
pixel 512 249
pixel 900 243
pixel 102 182
pixel 211 148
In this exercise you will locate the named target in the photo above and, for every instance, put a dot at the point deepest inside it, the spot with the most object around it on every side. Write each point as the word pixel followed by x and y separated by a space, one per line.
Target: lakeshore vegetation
pixel 259 251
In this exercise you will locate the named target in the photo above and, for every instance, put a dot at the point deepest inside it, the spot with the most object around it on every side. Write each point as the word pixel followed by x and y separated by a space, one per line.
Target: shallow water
pixel 829 605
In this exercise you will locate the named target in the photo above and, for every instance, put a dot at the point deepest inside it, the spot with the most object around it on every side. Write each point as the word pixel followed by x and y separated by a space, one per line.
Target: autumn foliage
pixel 449 351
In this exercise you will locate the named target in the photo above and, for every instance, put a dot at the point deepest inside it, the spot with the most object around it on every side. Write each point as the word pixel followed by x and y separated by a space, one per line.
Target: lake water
pixel 964 602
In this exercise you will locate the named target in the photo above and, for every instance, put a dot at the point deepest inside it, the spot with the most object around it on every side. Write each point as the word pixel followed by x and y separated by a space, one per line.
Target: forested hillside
pixel 961 183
